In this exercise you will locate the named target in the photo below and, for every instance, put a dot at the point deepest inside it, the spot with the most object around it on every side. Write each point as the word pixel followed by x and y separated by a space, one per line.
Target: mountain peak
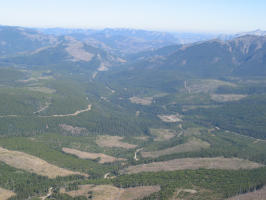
pixel 257 32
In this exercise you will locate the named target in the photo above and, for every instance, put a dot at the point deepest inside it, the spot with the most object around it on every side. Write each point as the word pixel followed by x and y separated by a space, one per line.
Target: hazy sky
pixel 171 15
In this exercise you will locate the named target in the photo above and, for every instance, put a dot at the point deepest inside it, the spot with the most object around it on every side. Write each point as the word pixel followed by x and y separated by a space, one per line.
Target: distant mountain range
pixel 244 55
pixel 28 47
pixel 257 32
pixel 14 40
pixel 210 55
pixel 127 41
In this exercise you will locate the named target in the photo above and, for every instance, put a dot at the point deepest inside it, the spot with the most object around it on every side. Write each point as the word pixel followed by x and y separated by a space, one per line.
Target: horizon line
pixel 134 28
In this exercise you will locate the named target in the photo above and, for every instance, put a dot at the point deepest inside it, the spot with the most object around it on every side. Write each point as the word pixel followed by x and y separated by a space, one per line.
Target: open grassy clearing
pixel 100 192
pixel 35 79
pixel 145 101
pixel 113 141
pixel 81 143
pixel 35 76
pixel 162 134
pixel 171 118
pixel 144 138
pixel 86 155
pixel 6 194
pixel 186 108
pixel 192 145
pixel 103 67
pixel 49 148
pixel 33 164
pixel 72 130
pixel 184 99
pixel 213 184
pixel 195 131
pixel 75 49
pixel 138 192
pixel 205 86
pixel 193 163
pixel 256 195
pixel 179 192
pixel 109 192
pixel 197 193
pixel 227 97
pixel 42 90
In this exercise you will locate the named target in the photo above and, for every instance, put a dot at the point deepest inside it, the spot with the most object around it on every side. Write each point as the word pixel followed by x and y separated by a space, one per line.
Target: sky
pixel 163 15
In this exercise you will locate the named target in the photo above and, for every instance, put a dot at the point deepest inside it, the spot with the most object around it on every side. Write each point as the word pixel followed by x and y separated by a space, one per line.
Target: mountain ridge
pixel 244 55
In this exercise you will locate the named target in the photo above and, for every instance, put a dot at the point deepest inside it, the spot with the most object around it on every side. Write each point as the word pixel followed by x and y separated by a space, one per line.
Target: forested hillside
pixel 88 119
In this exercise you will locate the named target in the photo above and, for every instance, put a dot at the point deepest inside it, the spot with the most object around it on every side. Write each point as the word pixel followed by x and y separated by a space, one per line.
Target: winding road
pixel 106 175
pixel 65 115
pixel 186 87
pixel 73 114
pixel 135 157
pixel 50 192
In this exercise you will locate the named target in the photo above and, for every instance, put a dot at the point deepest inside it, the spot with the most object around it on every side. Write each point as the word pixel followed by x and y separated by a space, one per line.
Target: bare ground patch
pixel 102 68
pixel 42 90
pixel 6 194
pixel 195 193
pixel 145 101
pixel 138 192
pixel 35 79
pixel 256 195
pixel 205 86
pixel 72 130
pixel 193 163
pixel 144 138
pixel 186 108
pixel 227 97
pixel 192 145
pixel 75 49
pixel 171 118
pixel 178 191
pixel 32 164
pixel 86 155
pixel 100 192
pixel 192 131
pixel 162 134
pixel 113 141
pixel 4 116
pixel 109 192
